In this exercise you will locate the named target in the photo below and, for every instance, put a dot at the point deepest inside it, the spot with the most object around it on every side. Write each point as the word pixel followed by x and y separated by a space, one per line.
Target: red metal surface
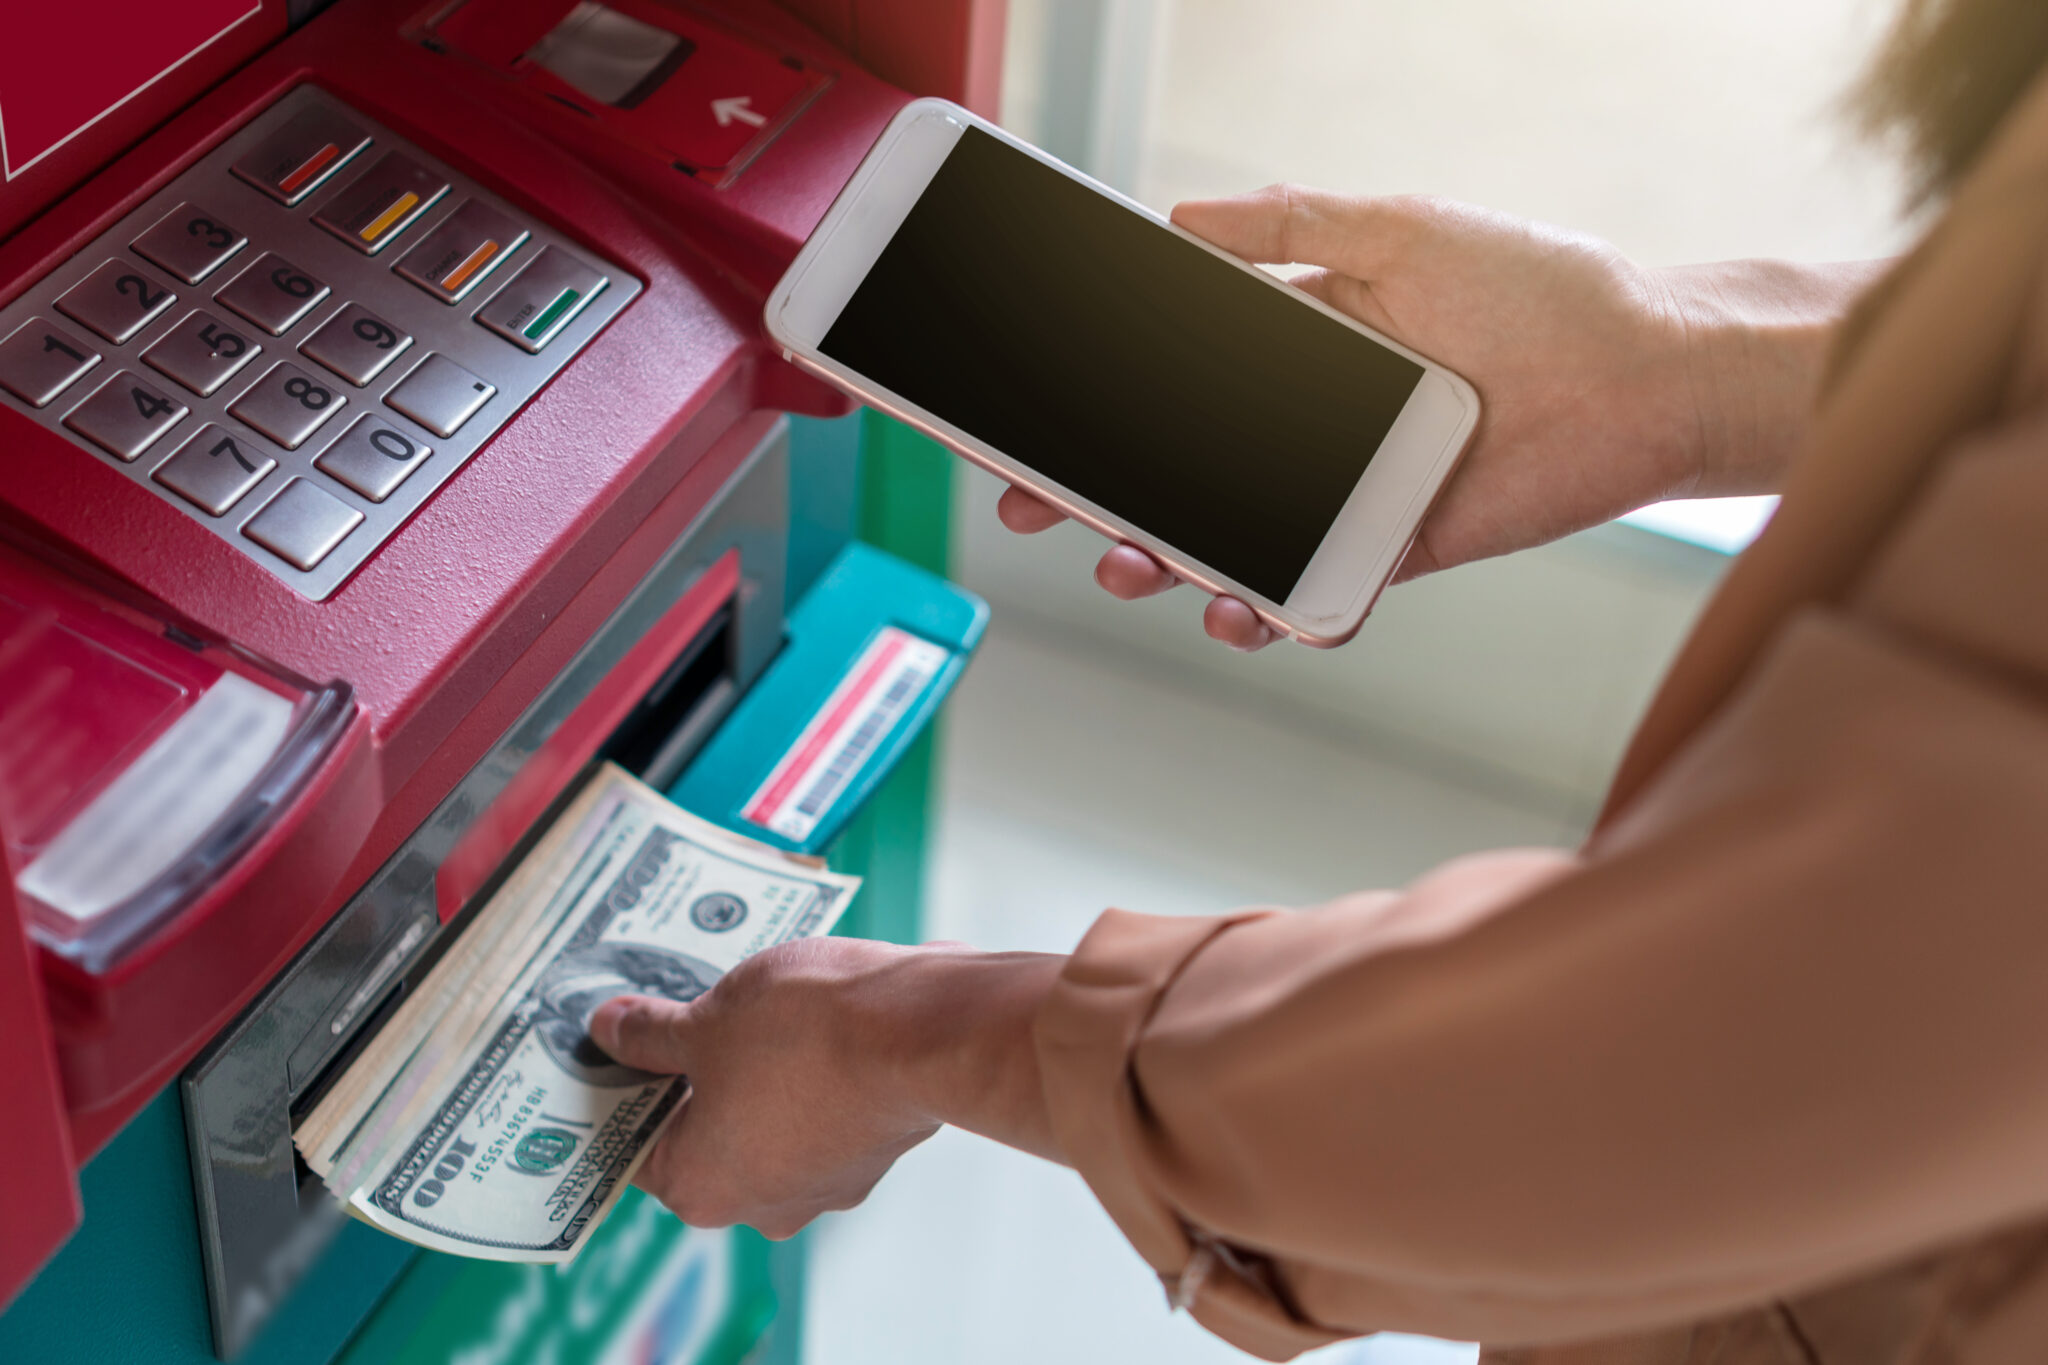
pixel 115 1029
pixel 470 863
pixel 728 96
pixel 458 622
pixel 80 82
pixel 37 1187
pixel 953 50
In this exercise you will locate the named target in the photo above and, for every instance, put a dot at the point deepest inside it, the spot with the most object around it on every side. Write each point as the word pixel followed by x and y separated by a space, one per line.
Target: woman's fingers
pixel 1025 514
pixel 1236 625
pixel 1128 572
pixel 1293 225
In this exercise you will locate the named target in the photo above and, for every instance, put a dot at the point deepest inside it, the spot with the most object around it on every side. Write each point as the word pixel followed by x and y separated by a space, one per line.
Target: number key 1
pixel 191 242
pixel 39 360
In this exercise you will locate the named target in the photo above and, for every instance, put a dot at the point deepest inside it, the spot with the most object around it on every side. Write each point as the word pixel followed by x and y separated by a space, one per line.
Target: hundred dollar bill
pixel 484 1121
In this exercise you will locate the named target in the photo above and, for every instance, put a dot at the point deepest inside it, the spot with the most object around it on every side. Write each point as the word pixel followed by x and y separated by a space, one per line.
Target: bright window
pixel 1682 131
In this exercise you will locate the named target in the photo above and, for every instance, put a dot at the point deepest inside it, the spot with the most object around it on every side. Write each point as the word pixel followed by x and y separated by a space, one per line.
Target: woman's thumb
pixel 641 1031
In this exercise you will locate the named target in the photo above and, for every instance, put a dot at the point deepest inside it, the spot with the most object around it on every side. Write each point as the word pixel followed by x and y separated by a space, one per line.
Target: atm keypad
pixel 356 344
pixel 126 416
pixel 191 242
pixel 278 375
pixel 40 360
pixel 274 294
pixel 288 405
pixel 215 469
pixel 117 300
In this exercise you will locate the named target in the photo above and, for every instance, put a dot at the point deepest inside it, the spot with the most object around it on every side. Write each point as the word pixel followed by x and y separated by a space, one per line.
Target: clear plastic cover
pixel 137 762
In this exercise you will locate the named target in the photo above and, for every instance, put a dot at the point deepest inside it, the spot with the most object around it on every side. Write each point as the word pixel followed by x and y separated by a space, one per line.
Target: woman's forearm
pixel 1757 335
pixel 961 1022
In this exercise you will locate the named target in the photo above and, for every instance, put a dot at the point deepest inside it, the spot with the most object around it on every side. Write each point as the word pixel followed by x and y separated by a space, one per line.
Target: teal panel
pixel 824 494
pixel 862 595
pixel 646 1290
pixel 906 492
pixel 128 1287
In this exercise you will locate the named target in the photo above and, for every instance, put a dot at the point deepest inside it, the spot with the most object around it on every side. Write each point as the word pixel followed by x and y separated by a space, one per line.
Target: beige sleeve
pixel 1786 1020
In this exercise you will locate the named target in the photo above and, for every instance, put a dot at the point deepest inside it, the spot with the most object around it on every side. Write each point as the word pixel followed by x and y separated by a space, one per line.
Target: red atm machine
pixel 388 435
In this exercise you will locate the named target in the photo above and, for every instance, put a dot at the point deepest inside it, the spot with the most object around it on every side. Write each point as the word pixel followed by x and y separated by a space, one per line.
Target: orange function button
pixel 470 243
pixel 299 157
pixel 382 203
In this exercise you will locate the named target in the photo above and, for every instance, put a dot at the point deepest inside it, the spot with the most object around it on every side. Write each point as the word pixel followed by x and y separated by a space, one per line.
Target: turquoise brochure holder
pixel 872 652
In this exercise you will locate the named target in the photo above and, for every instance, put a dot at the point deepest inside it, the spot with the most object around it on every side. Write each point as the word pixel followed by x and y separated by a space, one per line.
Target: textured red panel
pixel 470 863
pixel 951 48
pixel 36 1185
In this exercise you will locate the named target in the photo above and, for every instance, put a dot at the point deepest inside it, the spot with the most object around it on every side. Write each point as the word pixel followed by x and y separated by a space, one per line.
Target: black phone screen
pixel 1166 386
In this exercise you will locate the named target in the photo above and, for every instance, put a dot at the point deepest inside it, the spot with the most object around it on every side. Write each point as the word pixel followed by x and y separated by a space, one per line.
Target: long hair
pixel 1944 79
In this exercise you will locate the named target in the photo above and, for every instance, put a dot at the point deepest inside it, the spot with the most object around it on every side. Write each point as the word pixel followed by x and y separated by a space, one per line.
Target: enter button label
pixel 541 300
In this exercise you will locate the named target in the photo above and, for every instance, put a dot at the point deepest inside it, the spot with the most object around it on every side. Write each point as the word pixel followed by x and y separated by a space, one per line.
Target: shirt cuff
pixel 1085 1033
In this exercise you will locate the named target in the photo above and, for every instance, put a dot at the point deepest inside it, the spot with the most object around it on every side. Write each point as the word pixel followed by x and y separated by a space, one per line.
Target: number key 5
pixel 202 353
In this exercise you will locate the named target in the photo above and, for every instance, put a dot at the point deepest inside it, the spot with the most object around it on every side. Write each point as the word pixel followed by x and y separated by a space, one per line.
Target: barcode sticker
pixel 884 682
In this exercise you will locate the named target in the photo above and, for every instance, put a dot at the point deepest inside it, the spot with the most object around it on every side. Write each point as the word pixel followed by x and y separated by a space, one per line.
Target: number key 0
pixel 288 405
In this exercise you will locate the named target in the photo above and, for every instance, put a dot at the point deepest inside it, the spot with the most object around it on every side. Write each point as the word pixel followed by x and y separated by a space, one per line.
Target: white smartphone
pixel 1156 388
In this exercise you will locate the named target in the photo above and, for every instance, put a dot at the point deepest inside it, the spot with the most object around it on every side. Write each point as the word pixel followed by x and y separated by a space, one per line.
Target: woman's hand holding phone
pixel 1605 386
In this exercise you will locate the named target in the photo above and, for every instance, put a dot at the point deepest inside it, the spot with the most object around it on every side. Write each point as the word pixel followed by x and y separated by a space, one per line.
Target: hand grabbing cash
pixel 483 1120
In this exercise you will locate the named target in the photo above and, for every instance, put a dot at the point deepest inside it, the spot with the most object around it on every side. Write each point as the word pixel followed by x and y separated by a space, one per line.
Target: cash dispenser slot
pixel 777 726
pixel 639 687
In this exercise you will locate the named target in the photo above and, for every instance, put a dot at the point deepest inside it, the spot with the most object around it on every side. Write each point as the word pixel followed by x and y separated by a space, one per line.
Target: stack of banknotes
pixel 482 1120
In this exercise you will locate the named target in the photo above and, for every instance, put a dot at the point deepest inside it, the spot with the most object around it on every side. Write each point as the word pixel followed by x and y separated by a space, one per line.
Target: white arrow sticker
pixel 738 107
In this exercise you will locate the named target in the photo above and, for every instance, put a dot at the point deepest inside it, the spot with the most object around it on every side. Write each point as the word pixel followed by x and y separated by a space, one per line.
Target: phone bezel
pixel 1365 541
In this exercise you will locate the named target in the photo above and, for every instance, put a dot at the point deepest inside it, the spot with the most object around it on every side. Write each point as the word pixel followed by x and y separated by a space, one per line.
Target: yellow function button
pixel 382 202
pixel 381 224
